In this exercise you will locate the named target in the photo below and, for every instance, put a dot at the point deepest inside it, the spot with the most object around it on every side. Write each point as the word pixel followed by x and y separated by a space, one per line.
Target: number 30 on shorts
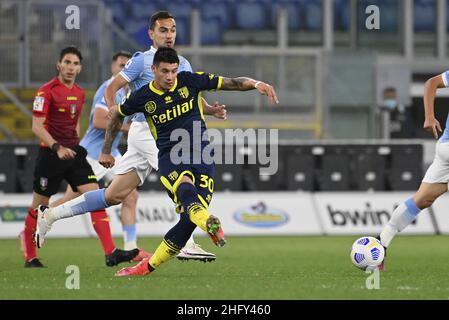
pixel 207 182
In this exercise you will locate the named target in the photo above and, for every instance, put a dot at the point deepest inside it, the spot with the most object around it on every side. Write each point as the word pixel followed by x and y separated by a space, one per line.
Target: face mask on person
pixel 390 104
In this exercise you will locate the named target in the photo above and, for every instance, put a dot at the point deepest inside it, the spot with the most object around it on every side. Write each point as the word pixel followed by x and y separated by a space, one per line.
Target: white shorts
pixel 141 155
pixel 107 174
pixel 438 171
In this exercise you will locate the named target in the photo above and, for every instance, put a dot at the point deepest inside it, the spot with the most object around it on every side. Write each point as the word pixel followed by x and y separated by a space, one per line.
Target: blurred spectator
pixel 396 119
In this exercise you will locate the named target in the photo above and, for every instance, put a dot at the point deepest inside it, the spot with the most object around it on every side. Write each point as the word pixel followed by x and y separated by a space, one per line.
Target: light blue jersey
pixel 94 138
pixel 138 72
pixel 445 136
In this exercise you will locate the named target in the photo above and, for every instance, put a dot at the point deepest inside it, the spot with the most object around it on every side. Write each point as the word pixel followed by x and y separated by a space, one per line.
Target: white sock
pixel 402 216
pixel 130 236
pixel 87 202
pixel 129 245
pixel 64 210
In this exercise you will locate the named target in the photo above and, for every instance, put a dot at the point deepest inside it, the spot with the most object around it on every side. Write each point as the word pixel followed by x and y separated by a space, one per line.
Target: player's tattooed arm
pixel 238 84
pixel 245 84
pixel 114 125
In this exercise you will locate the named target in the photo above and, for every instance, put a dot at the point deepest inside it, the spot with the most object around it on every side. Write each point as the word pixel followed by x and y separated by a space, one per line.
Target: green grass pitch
pixel 246 268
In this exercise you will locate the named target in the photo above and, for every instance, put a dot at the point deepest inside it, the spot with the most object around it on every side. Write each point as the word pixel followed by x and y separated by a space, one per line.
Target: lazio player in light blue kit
pixel 435 181
pixel 93 142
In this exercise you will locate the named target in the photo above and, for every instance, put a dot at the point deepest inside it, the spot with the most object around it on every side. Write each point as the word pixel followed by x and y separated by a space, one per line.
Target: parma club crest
pixel 150 106
pixel 184 92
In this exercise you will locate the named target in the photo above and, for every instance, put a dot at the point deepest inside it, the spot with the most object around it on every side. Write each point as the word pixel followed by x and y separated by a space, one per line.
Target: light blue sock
pixel 130 236
pixel 402 216
pixel 87 202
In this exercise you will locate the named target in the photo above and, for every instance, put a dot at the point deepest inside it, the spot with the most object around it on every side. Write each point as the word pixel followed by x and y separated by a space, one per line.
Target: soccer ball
pixel 367 253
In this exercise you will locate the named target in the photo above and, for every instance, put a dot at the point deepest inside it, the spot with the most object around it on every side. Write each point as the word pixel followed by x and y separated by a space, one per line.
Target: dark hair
pixel 125 54
pixel 159 15
pixel 168 55
pixel 70 50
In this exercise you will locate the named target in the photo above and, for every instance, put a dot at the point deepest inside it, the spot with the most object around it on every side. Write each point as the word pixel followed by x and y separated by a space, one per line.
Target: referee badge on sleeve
pixel 38 104
pixel 43 183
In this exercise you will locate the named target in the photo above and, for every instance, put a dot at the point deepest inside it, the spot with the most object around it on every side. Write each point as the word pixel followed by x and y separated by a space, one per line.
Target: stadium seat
pixel 299 172
pixel 26 156
pixel 369 169
pixel 342 19
pixel 144 9
pixel 211 31
pixel 251 15
pixel 141 36
pixel 255 181
pixel 180 9
pixel 182 31
pixel 8 169
pixel 119 13
pixel 314 14
pixel 406 167
pixel 334 172
pixel 295 9
pixel 217 9
pixel 228 177
pixel 425 12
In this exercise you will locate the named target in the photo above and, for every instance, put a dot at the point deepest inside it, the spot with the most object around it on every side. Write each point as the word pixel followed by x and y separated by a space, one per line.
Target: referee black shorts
pixel 50 171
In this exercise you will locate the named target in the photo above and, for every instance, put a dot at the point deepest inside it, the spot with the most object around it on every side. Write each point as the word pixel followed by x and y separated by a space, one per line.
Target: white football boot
pixel 43 225
pixel 193 251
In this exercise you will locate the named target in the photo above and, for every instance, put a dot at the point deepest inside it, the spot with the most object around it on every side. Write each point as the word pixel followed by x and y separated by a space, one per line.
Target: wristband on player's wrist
pixel 55 147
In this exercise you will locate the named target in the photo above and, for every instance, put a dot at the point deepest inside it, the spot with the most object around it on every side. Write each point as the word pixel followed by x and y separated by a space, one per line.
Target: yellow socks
pixel 198 215
pixel 163 253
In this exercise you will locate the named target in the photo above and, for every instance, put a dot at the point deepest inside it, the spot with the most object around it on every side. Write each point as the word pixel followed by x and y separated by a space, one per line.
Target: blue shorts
pixel 202 176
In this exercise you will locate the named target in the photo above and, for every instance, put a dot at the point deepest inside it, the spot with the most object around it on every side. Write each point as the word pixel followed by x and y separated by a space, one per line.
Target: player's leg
pixel 141 145
pixel 204 184
pixel 407 211
pixel 98 199
pixel 192 191
pixel 82 179
pixel 172 243
pixel 129 203
pixel 194 213
pixel 48 174
pixel 140 157
pixel 27 235
pixel 128 220
pixel 68 195
pixel 433 185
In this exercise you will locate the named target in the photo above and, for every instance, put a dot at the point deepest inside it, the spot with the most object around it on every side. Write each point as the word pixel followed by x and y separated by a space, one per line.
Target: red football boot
pixel 142 255
pixel 140 269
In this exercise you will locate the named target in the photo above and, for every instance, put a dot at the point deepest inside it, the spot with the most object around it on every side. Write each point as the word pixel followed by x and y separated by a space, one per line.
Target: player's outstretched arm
pixel 245 84
pixel 114 125
pixel 431 124
pixel 110 92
